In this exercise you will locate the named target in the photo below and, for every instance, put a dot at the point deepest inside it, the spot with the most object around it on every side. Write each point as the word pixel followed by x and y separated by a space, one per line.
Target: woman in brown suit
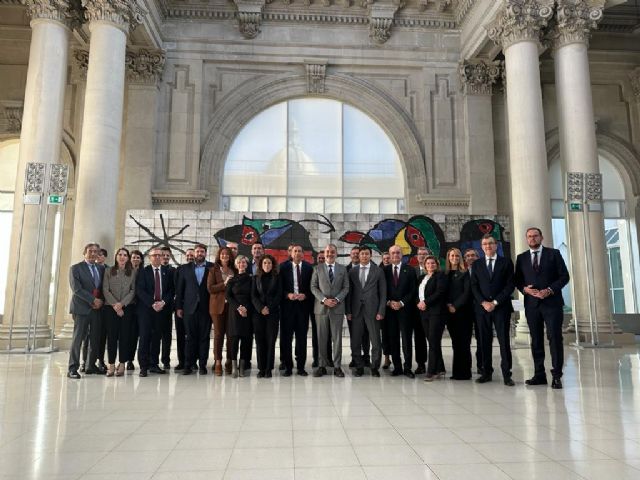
pixel 223 269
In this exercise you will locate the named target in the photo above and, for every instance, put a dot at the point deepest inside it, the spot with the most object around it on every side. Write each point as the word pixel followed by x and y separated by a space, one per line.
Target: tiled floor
pixel 203 427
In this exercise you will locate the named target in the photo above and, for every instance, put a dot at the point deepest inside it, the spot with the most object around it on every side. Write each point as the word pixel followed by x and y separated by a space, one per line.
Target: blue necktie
pixel 95 275
pixel 331 273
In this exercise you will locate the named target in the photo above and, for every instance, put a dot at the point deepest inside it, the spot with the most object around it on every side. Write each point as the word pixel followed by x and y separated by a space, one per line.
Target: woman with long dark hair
pixel 460 318
pixel 119 291
pixel 266 295
pixel 137 261
pixel 220 273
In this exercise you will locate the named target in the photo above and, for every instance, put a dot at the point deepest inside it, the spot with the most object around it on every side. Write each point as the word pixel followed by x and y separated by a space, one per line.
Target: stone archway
pixel 236 110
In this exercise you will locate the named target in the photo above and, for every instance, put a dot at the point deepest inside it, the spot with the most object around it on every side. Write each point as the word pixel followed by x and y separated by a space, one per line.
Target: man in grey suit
pixel 330 287
pixel 85 279
pixel 366 307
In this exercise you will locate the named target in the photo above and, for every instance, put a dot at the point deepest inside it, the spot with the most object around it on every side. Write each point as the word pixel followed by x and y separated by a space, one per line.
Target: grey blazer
pixel 322 288
pixel 82 287
pixel 372 298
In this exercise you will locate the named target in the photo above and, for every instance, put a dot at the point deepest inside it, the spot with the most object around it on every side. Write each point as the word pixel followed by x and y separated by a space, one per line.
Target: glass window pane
pixel 351 205
pixel 278 204
pixel 370 205
pixel 315 150
pixel 613 209
pixel 371 163
pixel 557 208
pixel 239 204
pixel 295 204
pixel 388 205
pixel 332 205
pixel 315 205
pixel 257 160
pixel 258 204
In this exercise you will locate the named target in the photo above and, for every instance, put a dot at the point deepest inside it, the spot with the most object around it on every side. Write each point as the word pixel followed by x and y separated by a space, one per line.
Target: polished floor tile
pixel 205 427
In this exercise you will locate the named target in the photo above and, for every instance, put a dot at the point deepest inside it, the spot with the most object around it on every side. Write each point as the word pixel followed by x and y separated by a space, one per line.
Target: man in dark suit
pixel 492 285
pixel 295 275
pixel 354 256
pixel 540 276
pixel 155 291
pixel 470 256
pixel 179 321
pixel 85 279
pixel 366 307
pixel 165 329
pixel 192 304
pixel 420 337
pixel 398 320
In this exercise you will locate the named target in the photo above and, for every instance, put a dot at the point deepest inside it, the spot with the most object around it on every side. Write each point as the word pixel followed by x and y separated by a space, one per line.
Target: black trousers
pixel 433 325
pixel 420 337
pixel 460 326
pixel 501 320
pixel 135 332
pixel 119 333
pixel 242 344
pixel 476 333
pixel 149 323
pixel 265 328
pixel 399 326
pixel 166 332
pixel 180 339
pixel 198 336
pixel 537 319
pixel 314 341
pixel 294 321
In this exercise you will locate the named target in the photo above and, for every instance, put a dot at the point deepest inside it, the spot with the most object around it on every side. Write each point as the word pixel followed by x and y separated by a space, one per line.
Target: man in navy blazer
pixel 297 304
pixel 155 291
pixel 492 285
pixel 192 304
pixel 540 275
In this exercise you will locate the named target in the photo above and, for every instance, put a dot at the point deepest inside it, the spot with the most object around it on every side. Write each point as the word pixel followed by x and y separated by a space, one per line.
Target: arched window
pixel 313 155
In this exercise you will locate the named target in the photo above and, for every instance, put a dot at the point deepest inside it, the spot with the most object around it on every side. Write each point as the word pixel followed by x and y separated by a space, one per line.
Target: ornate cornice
pixel 144 66
pixel 173 197
pixel 80 64
pixel 249 17
pixel 477 77
pixel 440 200
pixel 126 14
pixel 68 12
pixel 520 20
pixel 381 16
pixel 634 79
pixel 11 114
pixel 574 21
pixel 316 73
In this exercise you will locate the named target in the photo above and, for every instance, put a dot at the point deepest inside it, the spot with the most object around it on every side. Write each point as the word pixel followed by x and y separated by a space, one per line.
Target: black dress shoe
pixel 375 372
pixel 268 374
pixel 130 366
pixel 330 364
pixel 202 370
pixel 536 381
pixel 509 382
pixel 287 373
pixel 81 370
pixel 359 372
pixel 367 363
pixel 396 372
pixel 187 371
pixel 156 369
pixel 483 379
pixel 101 365
pixel 420 370
pixel 73 374
pixel 143 372
pixel 337 372
pixel 409 373
pixel 260 374
pixel 556 384
pixel 320 371
pixel 302 372
pixel 178 367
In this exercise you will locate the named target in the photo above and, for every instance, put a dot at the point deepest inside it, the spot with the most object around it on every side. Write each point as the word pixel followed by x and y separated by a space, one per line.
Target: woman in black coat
pixel 460 319
pixel 239 326
pixel 266 294
pixel 432 304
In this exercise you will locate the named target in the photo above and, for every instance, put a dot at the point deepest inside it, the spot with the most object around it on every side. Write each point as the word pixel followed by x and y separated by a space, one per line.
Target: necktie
pixel 536 265
pixel 395 275
pixel 331 273
pixel 490 268
pixel 363 276
pixel 157 295
pixel 95 275
pixel 298 275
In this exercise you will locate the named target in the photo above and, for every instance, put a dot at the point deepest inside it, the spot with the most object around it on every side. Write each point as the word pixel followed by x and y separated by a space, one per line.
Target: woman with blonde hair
pixel 460 318
pixel 238 294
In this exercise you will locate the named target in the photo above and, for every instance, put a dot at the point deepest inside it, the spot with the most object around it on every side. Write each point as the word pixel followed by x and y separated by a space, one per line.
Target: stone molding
pixel 144 66
pixel 381 17
pixel 68 12
pixel 477 77
pixel 173 197
pixel 249 16
pixel 574 21
pixel 634 79
pixel 441 200
pixel 520 20
pixel 12 116
pixel 316 74
pixel 126 14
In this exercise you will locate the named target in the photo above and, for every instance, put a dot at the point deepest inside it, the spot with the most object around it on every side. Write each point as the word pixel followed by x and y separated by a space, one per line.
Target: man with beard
pixel 190 256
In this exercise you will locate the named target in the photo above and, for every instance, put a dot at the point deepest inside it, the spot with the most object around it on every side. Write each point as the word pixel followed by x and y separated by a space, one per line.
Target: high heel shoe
pixel 111 370
pixel 120 370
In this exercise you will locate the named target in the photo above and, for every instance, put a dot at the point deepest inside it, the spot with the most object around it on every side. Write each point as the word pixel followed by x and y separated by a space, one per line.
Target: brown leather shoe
pixel 228 367
pixel 217 368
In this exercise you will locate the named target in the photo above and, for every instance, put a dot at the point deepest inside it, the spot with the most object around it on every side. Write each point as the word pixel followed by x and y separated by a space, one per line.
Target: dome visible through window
pixel 313 155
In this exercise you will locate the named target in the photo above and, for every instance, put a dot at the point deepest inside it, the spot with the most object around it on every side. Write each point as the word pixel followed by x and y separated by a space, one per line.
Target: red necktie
pixel 157 296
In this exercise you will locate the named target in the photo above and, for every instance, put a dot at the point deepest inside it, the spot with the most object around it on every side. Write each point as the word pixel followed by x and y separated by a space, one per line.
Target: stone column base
pixel 39 336
pixel 64 337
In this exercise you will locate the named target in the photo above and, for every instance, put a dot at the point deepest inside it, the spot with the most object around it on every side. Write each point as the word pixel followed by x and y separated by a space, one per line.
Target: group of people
pixel 392 309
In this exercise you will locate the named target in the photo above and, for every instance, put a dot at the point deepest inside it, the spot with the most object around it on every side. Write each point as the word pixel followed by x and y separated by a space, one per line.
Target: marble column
pixel 579 153
pixel 518 29
pixel 98 174
pixel 27 296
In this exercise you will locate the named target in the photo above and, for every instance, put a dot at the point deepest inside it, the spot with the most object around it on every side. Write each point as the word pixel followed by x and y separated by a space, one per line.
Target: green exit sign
pixel 575 207
pixel 55 199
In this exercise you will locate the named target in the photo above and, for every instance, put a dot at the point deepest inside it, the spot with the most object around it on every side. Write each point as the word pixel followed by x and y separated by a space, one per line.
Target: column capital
pixel 634 79
pixel 574 21
pixel 144 66
pixel 126 14
pixel 67 12
pixel 381 16
pixel 520 20
pixel 477 77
